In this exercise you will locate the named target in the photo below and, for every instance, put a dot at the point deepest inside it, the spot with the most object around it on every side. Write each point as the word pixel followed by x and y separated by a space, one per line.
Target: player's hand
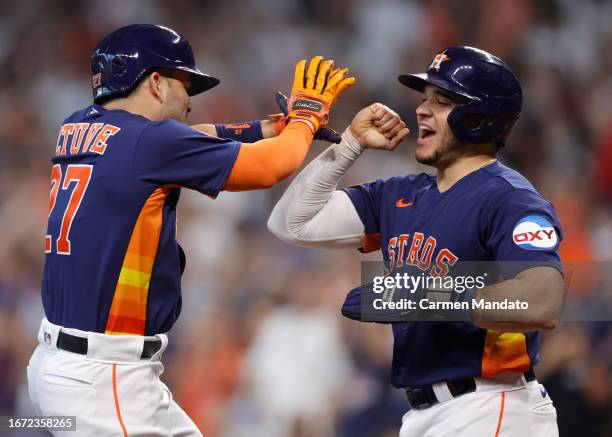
pixel 378 127
pixel 279 120
pixel 316 87
pixel 278 123
pixel 361 304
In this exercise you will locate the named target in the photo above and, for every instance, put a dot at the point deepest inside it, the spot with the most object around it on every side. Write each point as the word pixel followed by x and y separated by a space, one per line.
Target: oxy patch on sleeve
pixel 534 232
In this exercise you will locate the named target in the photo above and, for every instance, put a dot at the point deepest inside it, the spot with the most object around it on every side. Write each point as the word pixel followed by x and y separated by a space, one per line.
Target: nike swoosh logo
pixel 401 204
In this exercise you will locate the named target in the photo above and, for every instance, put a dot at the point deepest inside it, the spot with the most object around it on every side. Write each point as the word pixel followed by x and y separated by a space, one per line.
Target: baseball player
pixel 461 378
pixel 111 282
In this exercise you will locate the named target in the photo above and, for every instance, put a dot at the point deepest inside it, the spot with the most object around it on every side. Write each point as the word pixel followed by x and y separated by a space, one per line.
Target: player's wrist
pixel 245 132
pixel 273 125
pixel 351 141
pixel 303 121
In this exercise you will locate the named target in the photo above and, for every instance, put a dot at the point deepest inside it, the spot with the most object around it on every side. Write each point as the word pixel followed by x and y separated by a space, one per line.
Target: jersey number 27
pixel 80 174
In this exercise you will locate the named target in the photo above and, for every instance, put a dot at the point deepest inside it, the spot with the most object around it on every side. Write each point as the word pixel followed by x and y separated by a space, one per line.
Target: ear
pixel 156 84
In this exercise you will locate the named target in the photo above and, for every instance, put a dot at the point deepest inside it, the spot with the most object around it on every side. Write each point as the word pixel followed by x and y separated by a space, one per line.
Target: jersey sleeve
pixel 366 199
pixel 524 232
pixel 170 152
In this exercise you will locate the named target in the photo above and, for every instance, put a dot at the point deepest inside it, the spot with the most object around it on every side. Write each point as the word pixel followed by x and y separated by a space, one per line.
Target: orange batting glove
pixel 315 90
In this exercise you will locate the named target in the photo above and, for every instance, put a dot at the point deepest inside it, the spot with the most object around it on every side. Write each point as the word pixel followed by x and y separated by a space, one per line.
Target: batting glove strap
pixel 280 120
pixel 303 106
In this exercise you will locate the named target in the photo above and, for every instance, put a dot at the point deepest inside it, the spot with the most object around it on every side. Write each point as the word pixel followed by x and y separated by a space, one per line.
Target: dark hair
pixel 165 72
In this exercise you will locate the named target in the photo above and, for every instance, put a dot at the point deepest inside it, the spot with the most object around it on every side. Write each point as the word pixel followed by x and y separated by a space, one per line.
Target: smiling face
pixel 436 140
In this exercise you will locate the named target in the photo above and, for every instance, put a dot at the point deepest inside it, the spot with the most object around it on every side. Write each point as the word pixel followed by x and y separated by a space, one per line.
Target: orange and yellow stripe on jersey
pixel 504 352
pixel 129 307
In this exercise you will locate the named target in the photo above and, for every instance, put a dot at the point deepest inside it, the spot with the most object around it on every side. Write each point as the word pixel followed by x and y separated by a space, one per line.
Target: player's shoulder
pixel 508 187
pixel 396 185
pixel 168 127
pixel 388 190
pixel 95 113
pixel 503 180
pixel 169 130
pixel 502 176
pixel 410 181
pixel 82 114
pixel 384 190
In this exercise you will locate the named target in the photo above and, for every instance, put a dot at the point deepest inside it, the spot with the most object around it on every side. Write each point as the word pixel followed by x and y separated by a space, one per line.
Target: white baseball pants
pixel 496 409
pixel 111 391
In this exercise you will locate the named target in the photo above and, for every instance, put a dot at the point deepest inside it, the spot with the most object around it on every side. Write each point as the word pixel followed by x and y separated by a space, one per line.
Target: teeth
pixel 425 131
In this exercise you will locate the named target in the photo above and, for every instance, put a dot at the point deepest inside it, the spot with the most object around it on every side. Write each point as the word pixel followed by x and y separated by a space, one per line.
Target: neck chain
pixel 487 163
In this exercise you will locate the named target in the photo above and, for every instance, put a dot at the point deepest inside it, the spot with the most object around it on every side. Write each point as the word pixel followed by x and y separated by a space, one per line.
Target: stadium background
pixel 260 349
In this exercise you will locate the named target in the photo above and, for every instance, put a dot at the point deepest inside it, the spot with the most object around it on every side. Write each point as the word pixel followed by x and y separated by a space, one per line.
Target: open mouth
pixel 426 132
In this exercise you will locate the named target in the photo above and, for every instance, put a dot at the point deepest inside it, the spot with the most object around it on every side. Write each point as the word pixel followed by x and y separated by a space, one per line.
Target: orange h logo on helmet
pixel 440 57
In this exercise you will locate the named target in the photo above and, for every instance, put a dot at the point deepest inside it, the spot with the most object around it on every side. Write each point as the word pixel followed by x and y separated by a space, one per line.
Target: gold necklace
pixel 487 163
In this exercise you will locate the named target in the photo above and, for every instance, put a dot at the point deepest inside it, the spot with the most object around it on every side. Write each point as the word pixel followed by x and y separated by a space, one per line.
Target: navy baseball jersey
pixel 112 263
pixel 491 214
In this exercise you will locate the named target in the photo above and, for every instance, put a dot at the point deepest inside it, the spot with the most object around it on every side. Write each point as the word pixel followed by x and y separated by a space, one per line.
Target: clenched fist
pixel 378 127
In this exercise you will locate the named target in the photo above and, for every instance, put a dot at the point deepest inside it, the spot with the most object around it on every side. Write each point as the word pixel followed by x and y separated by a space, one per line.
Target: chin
pixel 430 159
pixel 427 155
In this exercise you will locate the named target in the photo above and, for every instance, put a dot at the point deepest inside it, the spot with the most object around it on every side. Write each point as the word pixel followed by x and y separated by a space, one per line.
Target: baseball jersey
pixel 491 214
pixel 112 262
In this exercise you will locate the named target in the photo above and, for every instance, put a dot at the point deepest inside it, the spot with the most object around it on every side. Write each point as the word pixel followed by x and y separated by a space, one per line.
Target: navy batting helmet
pixel 493 93
pixel 125 55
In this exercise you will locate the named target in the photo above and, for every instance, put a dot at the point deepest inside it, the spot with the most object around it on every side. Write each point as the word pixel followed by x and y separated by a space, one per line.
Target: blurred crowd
pixel 260 348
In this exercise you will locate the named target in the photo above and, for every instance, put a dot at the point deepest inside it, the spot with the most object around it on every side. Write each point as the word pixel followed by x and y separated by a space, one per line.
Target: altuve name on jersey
pixel 75 138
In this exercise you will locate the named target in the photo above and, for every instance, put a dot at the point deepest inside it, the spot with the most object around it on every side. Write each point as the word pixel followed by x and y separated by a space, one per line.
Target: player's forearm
pixel 266 162
pixel 271 128
pixel 541 288
pixel 248 132
pixel 208 129
pixel 311 212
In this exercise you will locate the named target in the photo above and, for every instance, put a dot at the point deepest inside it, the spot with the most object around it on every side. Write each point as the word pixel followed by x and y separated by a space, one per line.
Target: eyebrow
pixel 444 93
pixel 457 99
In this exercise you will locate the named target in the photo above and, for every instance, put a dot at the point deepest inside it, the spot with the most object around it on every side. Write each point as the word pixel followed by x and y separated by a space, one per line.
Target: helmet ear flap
pixel 471 127
pixel 474 121
pixel 110 66
pixel 455 122
pixel 480 128
pixel 118 66
pixel 101 72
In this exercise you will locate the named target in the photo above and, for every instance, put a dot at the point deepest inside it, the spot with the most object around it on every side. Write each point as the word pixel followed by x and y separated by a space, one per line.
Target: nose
pixel 423 110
